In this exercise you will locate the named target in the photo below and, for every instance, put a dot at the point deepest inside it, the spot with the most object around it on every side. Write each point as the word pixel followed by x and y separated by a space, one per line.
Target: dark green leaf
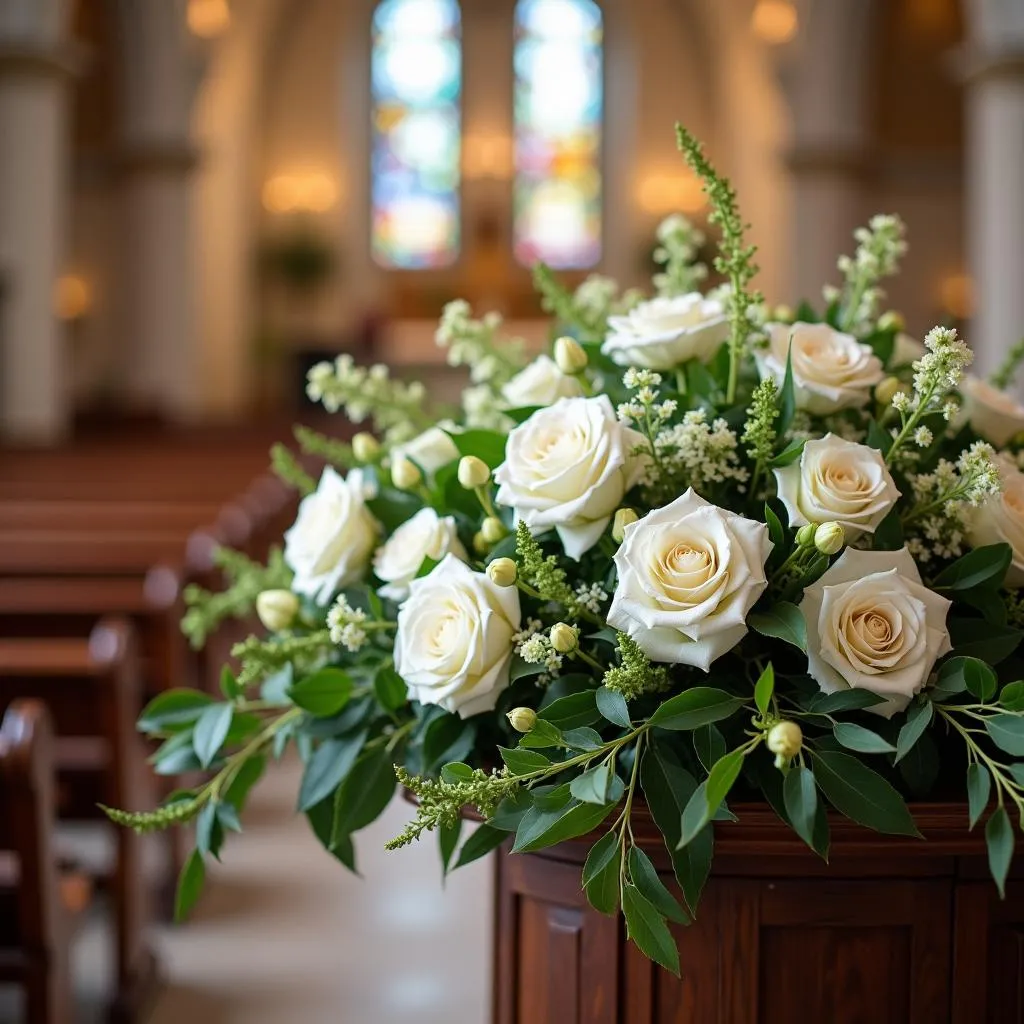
pixel 244 780
pixel 229 684
pixel 775 532
pixel 878 438
pixel 784 621
pixel 601 854
pixel 979 787
pixel 488 445
pixel 511 811
pixel 708 796
pixel 601 874
pixel 647 928
pixel 862 794
pixel 980 679
pixel 209 834
pixel 330 763
pixel 613 707
pixel 390 690
pixel 999 839
pixel 983 640
pixel 888 535
pixel 764 689
pixel 543 734
pixel 709 745
pixel 456 771
pixel 447 738
pixel 790 454
pixel 920 767
pixel 919 716
pixel 1012 697
pixel 800 794
pixel 842 700
pixel 524 669
pixel 644 876
pixel 1007 732
pixel 211 729
pixel 540 828
pixel 572 711
pixel 324 693
pixel 479 844
pixel 864 741
pixel 173 710
pixel 787 397
pixel 983 567
pixel 321 821
pixel 447 840
pixel 598 785
pixel 582 738
pixel 695 707
pixel 190 885
pixel 366 791
pixel 522 762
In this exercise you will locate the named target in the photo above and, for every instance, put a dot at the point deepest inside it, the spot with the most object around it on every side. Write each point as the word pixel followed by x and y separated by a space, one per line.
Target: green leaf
pixel 190 885
pixel 784 621
pixel 173 710
pixel 862 794
pixel 644 876
pixel 328 766
pixel 613 707
pixel 790 454
pixel 366 791
pixel 919 716
pixel 983 567
pixel 1012 697
pixel 776 534
pixel 543 734
pixel 323 693
pixel 700 705
pixel 601 874
pixel 842 700
pixel 321 821
pixel 708 796
pixel 247 777
pixel 447 738
pixel 981 681
pixel 479 844
pixel 647 928
pixel 488 445
pixel 888 535
pixel 390 690
pixel 447 840
pixel 598 785
pixel 582 738
pixel 764 689
pixel 920 768
pixel 571 711
pixel 999 839
pixel 229 684
pixel 524 669
pixel 864 741
pixel 800 795
pixel 787 397
pixel 210 731
pixel 1007 733
pixel 601 854
pixel 979 787
pixel 878 438
pixel 209 834
pixel 708 745
pixel 522 762
pixel 540 828
pixel 983 640
pixel 668 788
pixel 456 771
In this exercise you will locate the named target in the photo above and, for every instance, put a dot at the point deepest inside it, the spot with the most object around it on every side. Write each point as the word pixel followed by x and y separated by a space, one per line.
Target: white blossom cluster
pixel 482 408
pixel 644 405
pixel 678 244
pixel 936 373
pixel 533 645
pixel 880 246
pixel 597 298
pixel 473 343
pixel 346 625
pixel 699 452
pixel 590 597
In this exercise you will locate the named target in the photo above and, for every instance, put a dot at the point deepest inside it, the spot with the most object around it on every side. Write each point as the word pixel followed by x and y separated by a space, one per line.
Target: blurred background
pixel 198 197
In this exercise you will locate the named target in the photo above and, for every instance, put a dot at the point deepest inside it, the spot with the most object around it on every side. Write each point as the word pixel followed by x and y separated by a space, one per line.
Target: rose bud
pixel 276 609
pixel 480 545
pixel 405 474
pixel 522 719
pixel 829 538
pixel 564 638
pixel 365 447
pixel 805 535
pixel 886 390
pixel 473 472
pixel 623 517
pixel 503 572
pixel 493 529
pixel 891 321
pixel 785 740
pixel 570 357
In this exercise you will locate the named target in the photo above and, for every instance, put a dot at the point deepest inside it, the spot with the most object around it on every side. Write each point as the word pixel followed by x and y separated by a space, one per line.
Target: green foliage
pixel 542 573
pixel 635 676
pixel 261 658
pixel 330 449
pixel 288 469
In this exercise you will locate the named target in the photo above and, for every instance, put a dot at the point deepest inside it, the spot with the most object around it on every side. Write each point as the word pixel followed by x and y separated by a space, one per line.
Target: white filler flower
pixel 688 575
pixel 425 535
pixel 454 640
pixel 873 625
pixel 664 332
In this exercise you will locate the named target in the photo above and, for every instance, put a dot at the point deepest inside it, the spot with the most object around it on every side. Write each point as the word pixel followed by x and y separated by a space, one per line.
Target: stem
pixel 627 810
pixel 234 763
pixel 584 657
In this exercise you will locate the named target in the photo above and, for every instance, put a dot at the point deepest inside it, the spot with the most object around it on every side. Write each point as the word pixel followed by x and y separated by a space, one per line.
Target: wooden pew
pixel 34 929
pixel 91 687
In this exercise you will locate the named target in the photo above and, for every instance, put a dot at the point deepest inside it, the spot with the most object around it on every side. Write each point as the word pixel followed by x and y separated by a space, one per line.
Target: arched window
pixel 558 106
pixel 416 80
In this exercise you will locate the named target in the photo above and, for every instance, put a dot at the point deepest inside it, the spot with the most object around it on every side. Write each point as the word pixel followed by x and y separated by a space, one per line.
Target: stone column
pixel 34 67
pixel 995 178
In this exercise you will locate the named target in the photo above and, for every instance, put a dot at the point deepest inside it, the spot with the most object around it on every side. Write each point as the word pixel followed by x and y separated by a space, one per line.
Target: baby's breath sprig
pixel 396 408
pixel 1003 377
pixel 286 467
pixel 330 449
pixel 351 627
pixel 261 658
pixel 474 343
pixel 880 246
pixel 736 259
pixel 678 244
pixel 246 580
pixel 635 676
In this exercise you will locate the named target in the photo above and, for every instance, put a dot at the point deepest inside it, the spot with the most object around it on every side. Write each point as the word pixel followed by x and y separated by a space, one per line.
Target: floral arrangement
pixel 701 550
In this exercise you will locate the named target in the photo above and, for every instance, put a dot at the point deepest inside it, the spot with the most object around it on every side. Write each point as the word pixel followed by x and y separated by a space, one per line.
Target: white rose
pixel 430 450
pixel 688 575
pixel 873 625
pixel 567 467
pixel 425 535
pixel 831 370
pixel 454 640
pixel 1000 520
pixel 992 413
pixel 662 333
pixel 835 480
pixel 329 545
pixel 540 383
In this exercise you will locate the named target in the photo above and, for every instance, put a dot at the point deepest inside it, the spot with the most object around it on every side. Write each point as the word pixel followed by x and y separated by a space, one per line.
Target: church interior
pixel 202 199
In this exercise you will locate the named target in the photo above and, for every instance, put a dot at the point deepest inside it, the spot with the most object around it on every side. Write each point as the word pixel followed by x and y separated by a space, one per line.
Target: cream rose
pixel 831 370
pixel 567 467
pixel 430 450
pixel 454 640
pixel 662 333
pixel 688 575
pixel 540 383
pixel 425 535
pixel 873 625
pixel 992 413
pixel 837 481
pixel 1000 520
pixel 330 543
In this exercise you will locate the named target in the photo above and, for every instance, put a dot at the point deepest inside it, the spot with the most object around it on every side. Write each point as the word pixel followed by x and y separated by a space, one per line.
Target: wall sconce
pixel 72 298
pixel 487 156
pixel 670 193
pixel 208 18
pixel 308 192
pixel 774 21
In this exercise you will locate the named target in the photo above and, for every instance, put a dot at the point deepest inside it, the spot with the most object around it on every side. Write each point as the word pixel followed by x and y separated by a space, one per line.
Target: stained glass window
pixel 558 105
pixel 416 73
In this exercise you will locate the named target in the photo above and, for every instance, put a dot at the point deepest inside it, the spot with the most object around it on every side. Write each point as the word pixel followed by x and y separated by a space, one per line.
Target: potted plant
pixel 693 604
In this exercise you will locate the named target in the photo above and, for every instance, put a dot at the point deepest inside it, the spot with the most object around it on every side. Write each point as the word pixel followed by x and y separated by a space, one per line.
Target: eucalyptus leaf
pixel 613 707
pixel 211 729
pixel 697 706
pixel 643 875
pixel 485 839
pixel 764 688
pixel 323 693
pixel 862 794
pixel 919 716
pixel 540 828
pixel 648 930
pixel 190 885
pixel 328 766
pixel 981 567
pixel 864 741
pixel 1007 732
pixel 979 788
pixel 1000 842
pixel 800 795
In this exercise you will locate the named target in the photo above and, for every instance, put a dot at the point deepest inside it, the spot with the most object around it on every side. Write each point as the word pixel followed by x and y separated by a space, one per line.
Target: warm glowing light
pixel 72 297
pixel 208 18
pixel 308 192
pixel 775 21
pixel 956 293
pixel 487 156
pixel 670 193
